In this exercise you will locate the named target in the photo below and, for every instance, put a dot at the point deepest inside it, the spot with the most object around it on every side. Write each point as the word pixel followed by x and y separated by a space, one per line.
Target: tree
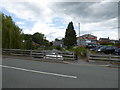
pixel 70 35
pixel 11 33
pixel 13 38
pixel 40 39
pixel 51 43
pixel 57 39
pixel 28 41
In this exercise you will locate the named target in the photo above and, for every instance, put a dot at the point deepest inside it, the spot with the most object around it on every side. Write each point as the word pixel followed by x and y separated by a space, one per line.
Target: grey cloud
pixel 90 12
pixel 83 12
pixel 29 10
pixel 32 8
pixel 107 11
pixel 87 11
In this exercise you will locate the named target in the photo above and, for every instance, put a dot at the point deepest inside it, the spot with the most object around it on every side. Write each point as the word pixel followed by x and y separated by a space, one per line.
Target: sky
pixel 51 17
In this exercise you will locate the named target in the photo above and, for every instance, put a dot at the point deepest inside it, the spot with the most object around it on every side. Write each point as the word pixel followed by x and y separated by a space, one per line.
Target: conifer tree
pixel 70 35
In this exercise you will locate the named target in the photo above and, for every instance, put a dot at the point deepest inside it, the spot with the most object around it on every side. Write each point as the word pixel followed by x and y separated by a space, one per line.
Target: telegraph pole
pixel 79 28
pixel 79 34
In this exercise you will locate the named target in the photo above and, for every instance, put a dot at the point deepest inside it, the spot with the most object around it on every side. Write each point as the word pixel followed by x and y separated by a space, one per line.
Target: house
pixel 104 40
pixel 85 39
pixel 114 41
pixel 58 43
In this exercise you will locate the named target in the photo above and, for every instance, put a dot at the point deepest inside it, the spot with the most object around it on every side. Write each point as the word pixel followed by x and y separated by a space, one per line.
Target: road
pixel 22 73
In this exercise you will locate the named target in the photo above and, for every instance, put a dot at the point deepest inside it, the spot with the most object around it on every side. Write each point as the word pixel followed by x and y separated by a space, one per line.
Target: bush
pixel 79 51
pixel 58 48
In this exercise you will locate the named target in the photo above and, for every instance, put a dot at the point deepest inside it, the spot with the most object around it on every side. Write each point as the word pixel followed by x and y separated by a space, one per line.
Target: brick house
pixel 104 40
pixel 87 38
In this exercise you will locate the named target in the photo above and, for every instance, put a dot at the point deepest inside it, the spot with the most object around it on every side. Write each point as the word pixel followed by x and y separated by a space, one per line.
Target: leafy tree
pixel 11 33
pixel 57 39
pixel 46 42
pixel 28 41
pixel 58 48
pixel 51 43
pixel 13 38
pixel 38 38
pixel 70 35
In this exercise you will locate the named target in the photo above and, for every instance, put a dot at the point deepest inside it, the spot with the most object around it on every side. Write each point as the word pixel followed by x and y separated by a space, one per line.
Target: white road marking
pixel 105 65
pixel 34 71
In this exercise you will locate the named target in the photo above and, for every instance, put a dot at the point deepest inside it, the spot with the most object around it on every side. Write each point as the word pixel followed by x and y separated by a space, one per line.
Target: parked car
pixel 96 48
pixel 53 56
pixel 117 51
pixel 107 49
pixel 90 45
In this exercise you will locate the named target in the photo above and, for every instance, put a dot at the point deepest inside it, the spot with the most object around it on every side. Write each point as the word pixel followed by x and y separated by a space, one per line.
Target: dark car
pixel 107 49
pixel 90 45
pixel 96 48
pixel 117 51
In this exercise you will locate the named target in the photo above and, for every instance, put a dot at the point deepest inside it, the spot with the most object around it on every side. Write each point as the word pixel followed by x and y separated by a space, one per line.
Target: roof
pixel 87 35
pixel 104 39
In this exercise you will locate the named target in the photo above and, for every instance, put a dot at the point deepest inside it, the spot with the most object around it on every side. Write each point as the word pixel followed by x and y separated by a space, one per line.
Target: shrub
pixel 79 51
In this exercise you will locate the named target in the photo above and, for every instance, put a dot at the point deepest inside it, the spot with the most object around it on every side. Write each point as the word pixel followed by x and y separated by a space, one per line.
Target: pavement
pixel 24 72
pixel 77 62
pixel 95 62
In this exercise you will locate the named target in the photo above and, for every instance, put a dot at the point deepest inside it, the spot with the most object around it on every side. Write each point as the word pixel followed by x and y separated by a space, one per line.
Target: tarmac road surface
pixel 22 73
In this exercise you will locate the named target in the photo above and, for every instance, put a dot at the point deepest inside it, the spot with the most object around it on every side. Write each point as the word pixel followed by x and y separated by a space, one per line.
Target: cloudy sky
pixel 98 17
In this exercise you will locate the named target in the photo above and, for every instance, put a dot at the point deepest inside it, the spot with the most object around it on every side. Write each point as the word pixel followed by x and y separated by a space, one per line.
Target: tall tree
pixel 70 35
pixel 57 39
pixel 11 33
pixel 28 41
pixel 40 39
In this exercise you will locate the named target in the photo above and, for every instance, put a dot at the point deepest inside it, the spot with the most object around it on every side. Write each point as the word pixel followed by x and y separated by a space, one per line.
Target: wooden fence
pixel 42 54
pixel 106 57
